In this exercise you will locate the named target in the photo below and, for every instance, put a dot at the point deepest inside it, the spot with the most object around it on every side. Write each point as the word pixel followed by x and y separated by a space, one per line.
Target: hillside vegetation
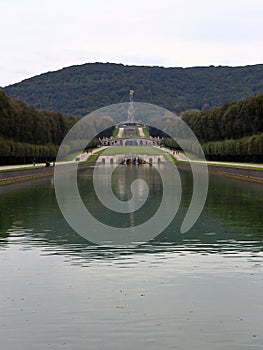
pixel 78 90
pixel 232 132
pixel 27 134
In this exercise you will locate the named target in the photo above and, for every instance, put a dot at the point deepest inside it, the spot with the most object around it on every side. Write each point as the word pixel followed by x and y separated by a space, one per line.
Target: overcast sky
pixel 45 35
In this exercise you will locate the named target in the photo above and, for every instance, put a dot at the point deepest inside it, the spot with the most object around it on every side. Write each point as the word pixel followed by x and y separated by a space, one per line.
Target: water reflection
pixel 200 290
pixel 230 224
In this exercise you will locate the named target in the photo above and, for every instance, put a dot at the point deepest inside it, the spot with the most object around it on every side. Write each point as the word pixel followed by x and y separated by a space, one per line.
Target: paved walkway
pixel 183 157
pixel 178 156
pixel 231 164
pixel 141 132
pixel 120 133
pixel 82 157
pixel 21 166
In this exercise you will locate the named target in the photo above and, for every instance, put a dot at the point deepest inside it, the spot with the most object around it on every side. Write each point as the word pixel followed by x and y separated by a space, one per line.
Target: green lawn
pixel 111 151
pixel 146 132
pixel 115 132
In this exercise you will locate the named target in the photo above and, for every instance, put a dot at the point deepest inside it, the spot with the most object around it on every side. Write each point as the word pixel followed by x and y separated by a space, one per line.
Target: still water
pixel 198 290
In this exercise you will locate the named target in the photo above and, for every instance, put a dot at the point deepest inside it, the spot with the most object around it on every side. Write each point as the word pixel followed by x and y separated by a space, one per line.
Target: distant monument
pixel 131 108
pixel 131 132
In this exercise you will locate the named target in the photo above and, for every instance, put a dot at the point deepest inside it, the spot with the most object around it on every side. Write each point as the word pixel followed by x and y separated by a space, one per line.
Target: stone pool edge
pixel 18 175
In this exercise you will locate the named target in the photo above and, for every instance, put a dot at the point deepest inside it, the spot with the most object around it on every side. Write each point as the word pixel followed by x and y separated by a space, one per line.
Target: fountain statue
pixel 131 108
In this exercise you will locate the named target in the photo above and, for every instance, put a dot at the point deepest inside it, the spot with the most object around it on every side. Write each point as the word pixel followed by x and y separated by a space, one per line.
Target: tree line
pixel 27 134
pixel 233 132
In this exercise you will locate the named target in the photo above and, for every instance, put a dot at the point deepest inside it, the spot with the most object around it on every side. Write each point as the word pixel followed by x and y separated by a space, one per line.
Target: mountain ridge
pixel 80 89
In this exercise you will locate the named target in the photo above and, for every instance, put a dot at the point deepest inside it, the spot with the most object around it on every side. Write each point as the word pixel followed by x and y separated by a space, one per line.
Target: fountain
pixel 131 108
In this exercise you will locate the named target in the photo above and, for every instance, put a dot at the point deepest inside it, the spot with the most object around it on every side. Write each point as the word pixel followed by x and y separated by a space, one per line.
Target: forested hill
pixel 78 90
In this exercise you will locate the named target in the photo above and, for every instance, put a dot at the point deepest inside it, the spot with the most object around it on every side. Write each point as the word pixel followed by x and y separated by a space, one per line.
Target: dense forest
pixel 27 134
pixel 78 90
pixel 233 132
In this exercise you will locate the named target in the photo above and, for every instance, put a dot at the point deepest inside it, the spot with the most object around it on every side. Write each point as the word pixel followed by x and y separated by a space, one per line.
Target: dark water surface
pixel 198 290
